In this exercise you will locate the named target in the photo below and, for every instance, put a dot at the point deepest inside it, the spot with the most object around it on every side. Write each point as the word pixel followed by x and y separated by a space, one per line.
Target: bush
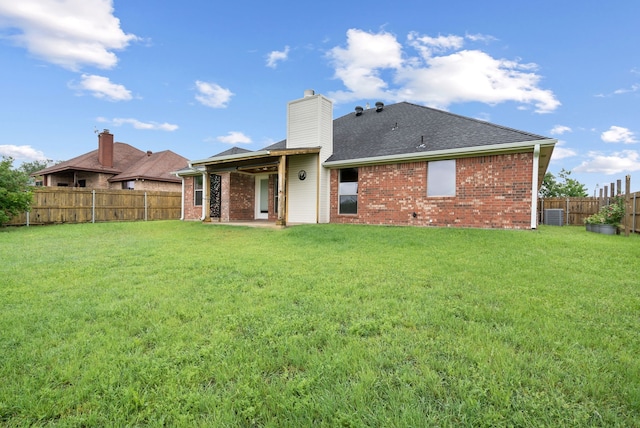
pixel 609 214
pixel 15 194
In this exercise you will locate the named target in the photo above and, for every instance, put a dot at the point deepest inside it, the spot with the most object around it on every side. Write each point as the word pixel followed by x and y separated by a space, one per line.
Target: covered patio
pixel 254 187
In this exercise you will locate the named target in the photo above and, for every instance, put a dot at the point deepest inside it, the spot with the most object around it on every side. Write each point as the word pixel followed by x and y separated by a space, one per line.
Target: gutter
pixel 442 154
pixel 205 197
pixel 182 200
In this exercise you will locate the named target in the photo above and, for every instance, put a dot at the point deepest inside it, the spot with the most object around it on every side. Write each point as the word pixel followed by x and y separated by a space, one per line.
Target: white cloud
pixel 432 79
pixel 101 87
pixel 560 129
pixel 275 56
pixel 618 134
pixel 616 163
pixel 212 94
pixel 561 152
pixel 151 126
pixel 359 64
pixel 234 137
pixel 24 153
pixel 427 46
pixel 69 33
pixel 634 88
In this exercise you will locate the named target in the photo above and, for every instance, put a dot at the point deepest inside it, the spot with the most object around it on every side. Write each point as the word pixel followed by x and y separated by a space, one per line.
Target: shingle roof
pixel 232 151
pixel 124 156
pixel 153 166
pixel 405 128
pixel 129 163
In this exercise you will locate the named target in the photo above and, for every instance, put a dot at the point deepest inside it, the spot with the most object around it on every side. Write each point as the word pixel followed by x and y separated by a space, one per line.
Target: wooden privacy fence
pixel 576 210
pixel 81 205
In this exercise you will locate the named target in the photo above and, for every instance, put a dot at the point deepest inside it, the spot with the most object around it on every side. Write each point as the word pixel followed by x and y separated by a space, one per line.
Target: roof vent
pixel 379 106
pixel 359 110
pixel 149 152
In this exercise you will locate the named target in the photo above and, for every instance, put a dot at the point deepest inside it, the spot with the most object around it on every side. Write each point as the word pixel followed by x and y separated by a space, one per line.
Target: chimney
pixel 105 149
pixel 310 123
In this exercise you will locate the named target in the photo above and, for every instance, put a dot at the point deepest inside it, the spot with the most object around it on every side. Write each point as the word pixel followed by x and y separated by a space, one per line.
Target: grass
pixel 186 324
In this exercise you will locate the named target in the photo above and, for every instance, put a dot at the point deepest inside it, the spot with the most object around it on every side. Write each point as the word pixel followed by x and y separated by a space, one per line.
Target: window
pixel 128 185
pixel 197 190
pixel 348 191
pixel 82 183
pixel 441 178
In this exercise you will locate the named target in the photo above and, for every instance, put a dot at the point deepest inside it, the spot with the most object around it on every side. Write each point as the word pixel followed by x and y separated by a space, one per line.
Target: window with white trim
pixel 441 178
pixel 348 191
pixel 197 190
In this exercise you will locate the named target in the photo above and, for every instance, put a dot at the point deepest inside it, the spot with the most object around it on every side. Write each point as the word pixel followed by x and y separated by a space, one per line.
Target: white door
pixel 262 197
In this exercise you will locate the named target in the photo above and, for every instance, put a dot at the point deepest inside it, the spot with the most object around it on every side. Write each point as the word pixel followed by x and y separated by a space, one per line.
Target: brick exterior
pixel 241 197
pixel 191 211
pixel 273 210
pixel 491 192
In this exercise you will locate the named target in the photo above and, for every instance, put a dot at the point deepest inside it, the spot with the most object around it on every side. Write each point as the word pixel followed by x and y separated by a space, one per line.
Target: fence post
pixel 145 206
pixel 567 222
pixel 627 199
pixel 27 218
pixel 634 212
pixel 93 206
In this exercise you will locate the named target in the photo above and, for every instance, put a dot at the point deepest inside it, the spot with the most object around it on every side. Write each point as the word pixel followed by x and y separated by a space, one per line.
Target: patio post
pixel 282 169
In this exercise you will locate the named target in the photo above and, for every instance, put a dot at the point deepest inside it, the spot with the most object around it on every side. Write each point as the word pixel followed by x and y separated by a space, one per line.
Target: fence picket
pixel 81 205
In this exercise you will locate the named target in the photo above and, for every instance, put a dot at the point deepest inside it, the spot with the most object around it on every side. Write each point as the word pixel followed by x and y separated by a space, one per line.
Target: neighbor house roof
pixel 153 166
pixel 129 163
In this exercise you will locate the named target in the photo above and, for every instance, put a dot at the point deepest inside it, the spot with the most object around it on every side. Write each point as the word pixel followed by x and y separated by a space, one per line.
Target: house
pixel 398 164
pixel 117 166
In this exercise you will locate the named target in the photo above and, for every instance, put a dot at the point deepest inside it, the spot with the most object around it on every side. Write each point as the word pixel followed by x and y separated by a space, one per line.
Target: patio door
pixel 262 197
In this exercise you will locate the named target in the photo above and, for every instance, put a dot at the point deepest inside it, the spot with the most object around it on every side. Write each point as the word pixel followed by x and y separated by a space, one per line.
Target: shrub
pixel 609 214
pixel 15 194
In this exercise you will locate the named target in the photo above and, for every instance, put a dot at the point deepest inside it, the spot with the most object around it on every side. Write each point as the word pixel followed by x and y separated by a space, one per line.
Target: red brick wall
pixel 273 182
pixel 191 212
pixel 491 192
pixel 241 197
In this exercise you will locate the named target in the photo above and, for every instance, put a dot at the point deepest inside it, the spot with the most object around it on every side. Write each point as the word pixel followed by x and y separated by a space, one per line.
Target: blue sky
pixel 197 77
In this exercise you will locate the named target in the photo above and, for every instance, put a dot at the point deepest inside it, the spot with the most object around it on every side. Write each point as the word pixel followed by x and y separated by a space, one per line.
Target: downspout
pixel 205 197
pixel 182 201
pixel 534 186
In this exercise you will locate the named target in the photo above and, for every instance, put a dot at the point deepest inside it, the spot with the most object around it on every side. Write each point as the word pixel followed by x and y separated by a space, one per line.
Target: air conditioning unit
pixel 553 217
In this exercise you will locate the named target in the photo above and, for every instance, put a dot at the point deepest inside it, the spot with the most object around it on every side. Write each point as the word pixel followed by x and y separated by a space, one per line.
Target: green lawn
pixel 187 324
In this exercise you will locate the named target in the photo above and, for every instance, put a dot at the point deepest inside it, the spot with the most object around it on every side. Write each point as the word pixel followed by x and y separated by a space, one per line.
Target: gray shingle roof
pixel 406 128
pixel 232 151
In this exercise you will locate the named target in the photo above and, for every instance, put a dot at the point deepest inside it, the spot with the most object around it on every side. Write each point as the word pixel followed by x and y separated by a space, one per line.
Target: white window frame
pixel 197 190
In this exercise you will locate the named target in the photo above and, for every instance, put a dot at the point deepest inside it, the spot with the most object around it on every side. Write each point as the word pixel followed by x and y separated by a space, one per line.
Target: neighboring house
pixel 401 164
pixel 117 166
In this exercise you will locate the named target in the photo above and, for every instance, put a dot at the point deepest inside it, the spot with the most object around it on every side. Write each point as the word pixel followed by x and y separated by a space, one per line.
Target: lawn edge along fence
pixel 53 205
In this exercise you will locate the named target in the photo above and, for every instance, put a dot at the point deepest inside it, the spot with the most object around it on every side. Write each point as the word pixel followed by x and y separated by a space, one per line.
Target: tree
pixel 15 194
pixel 31 167
pixel 564 187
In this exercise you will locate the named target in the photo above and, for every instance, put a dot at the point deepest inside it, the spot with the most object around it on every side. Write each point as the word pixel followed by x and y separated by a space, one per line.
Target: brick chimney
pixel 105 148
